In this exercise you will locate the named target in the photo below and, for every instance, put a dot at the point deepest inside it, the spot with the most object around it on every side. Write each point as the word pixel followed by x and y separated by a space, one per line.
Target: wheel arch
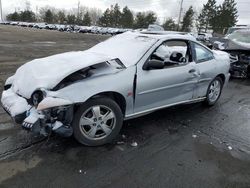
pixel 222 77
pixel 117 97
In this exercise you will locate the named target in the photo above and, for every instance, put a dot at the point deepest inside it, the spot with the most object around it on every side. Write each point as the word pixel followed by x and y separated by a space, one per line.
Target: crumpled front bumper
pixel 14 105
pixel 39 121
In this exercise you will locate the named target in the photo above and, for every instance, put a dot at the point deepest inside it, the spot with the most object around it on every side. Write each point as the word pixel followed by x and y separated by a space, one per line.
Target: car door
pixel 206 66
pixel 172 84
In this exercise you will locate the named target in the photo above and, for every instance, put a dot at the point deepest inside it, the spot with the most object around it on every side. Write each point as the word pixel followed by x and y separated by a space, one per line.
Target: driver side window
pixel 172 53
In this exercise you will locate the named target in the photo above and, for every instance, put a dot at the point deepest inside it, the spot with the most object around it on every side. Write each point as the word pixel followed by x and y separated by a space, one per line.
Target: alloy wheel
pixel 214 90
pixel 97 122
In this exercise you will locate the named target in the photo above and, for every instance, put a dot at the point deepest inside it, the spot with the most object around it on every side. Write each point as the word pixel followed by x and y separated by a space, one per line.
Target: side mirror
pixel 154 64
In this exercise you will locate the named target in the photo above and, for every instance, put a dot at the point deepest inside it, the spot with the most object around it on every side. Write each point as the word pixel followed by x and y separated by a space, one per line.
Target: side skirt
pixel 138 114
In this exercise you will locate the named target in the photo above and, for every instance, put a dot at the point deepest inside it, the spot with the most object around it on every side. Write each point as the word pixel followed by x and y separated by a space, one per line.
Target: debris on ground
pixel 180 164
pixel 120 148
pixel 124 136
pixel 229 147
pixel 81 171
pixel 120 143
pixel 194 136
pixel 134 144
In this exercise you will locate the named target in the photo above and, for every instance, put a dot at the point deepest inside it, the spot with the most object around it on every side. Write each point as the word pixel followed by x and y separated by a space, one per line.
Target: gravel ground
pixel 184 146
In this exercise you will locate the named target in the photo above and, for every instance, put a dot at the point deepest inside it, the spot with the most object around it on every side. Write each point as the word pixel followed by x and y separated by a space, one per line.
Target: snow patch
pixel 48 72
pixel 14 104
pixel 128 47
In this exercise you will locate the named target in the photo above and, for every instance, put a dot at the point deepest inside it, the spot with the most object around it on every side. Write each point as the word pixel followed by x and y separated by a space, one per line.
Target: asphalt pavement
pixel 183 146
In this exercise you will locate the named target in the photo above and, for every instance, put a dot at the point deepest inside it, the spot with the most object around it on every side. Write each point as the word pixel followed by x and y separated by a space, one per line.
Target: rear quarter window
pixel 202 54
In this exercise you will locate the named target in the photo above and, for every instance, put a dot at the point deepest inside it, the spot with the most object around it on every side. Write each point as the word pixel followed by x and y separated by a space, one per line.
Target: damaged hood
pixel 48 72
pixel 237 41
pixel 236 45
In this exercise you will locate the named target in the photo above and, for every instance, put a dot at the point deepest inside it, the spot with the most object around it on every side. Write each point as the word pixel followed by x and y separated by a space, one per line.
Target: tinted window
pixel 202 54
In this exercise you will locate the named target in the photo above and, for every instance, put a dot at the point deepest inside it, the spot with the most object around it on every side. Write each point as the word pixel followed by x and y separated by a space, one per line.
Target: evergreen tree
pixel 127 18
pixel 27 16
pixel 86 19
pixel 139 19
pixel 105 20
pixel 116 16
pixel 227 15
pixel 206 17
pixel 61 18
pixel 48 16
pixel 150 18
pixel 13 17
pixel 169 25
pixel 144 19
pixel 71 19
pixel 188 20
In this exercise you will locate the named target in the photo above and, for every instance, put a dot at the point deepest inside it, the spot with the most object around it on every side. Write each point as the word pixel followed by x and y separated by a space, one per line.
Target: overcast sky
pixel 163 8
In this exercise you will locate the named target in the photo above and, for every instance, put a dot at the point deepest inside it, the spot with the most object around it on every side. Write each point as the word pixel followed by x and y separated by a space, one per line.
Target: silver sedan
pixel 90 93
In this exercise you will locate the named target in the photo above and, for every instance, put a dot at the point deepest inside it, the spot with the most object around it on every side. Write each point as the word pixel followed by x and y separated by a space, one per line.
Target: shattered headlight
pixel 37 97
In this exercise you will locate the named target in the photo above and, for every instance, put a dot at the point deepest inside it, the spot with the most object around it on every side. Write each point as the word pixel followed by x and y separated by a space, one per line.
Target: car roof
pixel 165 35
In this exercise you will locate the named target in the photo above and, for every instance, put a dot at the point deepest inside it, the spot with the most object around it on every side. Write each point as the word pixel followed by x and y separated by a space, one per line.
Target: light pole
pixel 179 19
pixel 1 9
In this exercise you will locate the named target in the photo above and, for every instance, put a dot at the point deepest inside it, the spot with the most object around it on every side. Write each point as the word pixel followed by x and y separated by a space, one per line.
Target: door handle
pixel 192 71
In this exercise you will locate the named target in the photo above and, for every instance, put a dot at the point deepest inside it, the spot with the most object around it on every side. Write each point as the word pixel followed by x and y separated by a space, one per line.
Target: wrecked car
pixel 237 44
pixel 90 93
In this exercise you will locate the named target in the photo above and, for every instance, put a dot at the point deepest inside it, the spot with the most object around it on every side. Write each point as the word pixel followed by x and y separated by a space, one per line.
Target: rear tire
pixel 214 91
pixel 97 122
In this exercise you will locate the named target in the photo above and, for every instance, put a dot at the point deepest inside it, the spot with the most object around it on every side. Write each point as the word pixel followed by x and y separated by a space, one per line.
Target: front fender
pixel 120 82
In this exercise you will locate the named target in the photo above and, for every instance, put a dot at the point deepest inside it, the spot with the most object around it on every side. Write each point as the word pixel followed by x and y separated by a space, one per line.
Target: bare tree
pixel 95 15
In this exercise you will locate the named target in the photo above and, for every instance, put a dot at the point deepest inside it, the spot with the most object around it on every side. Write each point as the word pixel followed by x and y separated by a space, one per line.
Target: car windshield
pixel 128 47
pixel 240 36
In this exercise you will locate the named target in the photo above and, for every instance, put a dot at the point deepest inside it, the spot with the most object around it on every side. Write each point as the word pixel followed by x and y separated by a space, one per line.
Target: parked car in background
pixel 71 28
pixel 40 25
pixel 13 23
pixel 60 27
pixel 89 93
pixel 31 24
pixel 76 28
pixel 23 24
pixel 236 28
pixel 83 29
pixel 204 36
pixel 5 22
pixel 154 27
pixel 50 27
pixel 238 45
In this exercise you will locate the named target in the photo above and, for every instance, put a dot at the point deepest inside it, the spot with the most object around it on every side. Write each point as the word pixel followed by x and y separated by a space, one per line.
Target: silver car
pixel 90 93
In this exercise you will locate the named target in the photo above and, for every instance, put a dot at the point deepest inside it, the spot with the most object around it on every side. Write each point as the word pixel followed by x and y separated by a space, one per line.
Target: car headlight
pixel 8 83
pixel 37 97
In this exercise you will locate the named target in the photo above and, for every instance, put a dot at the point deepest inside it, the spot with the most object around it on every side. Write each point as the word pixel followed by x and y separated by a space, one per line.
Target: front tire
pixel 214 91
pixel 97 121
